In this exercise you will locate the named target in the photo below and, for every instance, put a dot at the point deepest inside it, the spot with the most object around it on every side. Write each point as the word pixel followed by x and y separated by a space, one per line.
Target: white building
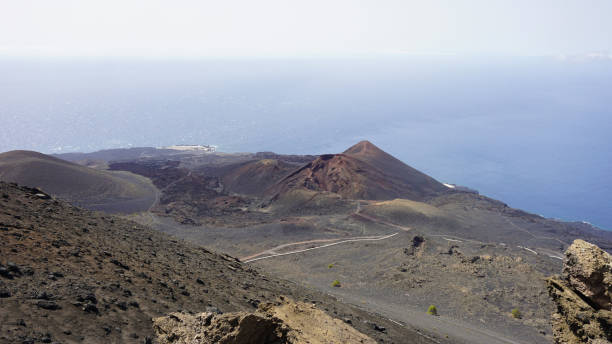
pixel 198 148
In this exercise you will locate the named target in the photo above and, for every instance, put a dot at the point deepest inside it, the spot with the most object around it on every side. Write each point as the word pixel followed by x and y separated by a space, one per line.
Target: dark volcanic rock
pixel 120 264
pixel 46 304
pixel 4 272
pixel 88 298
pixel 43 296
pixel 90 308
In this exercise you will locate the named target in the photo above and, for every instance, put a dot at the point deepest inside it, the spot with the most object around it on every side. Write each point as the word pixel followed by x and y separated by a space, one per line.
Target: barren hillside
pixel 71 275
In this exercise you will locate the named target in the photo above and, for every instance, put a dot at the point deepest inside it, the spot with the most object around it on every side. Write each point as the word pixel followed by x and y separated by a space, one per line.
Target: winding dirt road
pixel 273 252
pixel 272 255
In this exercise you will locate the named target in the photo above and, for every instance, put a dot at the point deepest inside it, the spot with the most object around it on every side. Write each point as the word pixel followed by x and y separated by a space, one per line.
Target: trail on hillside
pixel 273 252
pixel 318 247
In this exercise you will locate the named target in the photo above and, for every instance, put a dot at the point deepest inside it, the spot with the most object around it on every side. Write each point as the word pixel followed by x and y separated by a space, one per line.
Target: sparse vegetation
pixel 432 310
pixel 336 284
pixel 516 314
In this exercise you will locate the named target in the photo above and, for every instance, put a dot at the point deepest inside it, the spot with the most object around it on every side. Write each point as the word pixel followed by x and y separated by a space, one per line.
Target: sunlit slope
pixel 94 189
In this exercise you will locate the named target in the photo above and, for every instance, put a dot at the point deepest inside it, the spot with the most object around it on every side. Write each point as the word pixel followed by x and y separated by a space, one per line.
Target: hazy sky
pixel 281 28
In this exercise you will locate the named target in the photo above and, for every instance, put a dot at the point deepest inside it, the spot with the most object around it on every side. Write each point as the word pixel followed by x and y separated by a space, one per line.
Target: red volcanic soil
pixel 361 172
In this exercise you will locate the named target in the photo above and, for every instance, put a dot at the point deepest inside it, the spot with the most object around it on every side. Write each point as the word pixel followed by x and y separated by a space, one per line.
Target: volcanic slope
pixel 87 187
pixel 119 154
pixel 72 275
pixel 253 177
pixel 362 172
pixel 420 184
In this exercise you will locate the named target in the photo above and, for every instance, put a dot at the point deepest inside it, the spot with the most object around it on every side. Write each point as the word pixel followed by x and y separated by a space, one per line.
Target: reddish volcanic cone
pixel 362 172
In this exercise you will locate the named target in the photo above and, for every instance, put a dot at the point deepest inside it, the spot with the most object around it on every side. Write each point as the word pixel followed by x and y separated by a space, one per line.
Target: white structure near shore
pixel 198 148
pixel 460 188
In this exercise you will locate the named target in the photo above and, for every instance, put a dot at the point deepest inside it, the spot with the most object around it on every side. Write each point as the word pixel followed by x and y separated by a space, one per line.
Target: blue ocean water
pixel 532 132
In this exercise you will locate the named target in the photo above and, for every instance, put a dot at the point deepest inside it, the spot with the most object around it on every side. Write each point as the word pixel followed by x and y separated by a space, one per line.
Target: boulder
pixel 582 296
pixel 285 322
pixel 231 328
pixel 588 270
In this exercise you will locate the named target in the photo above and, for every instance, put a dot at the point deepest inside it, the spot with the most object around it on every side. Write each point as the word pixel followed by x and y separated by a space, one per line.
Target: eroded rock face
pixel 588 270
pixel 284 322
pixel 233 328
pixel 582 296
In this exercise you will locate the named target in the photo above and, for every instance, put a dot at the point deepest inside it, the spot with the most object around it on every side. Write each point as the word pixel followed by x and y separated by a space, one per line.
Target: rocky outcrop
pixel 283 322
pixel 588 270
pixel 238 327
pixel 582 296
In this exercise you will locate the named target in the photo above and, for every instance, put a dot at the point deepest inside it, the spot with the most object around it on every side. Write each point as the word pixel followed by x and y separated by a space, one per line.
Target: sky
pixel 312 28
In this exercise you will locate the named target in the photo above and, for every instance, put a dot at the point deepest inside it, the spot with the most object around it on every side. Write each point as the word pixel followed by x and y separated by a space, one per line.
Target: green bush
pixel 336 284
pixel 330 266
pixel 432 310
pixel 516 314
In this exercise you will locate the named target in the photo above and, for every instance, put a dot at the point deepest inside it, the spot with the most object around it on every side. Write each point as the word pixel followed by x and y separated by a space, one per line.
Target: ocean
pixel 534 132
